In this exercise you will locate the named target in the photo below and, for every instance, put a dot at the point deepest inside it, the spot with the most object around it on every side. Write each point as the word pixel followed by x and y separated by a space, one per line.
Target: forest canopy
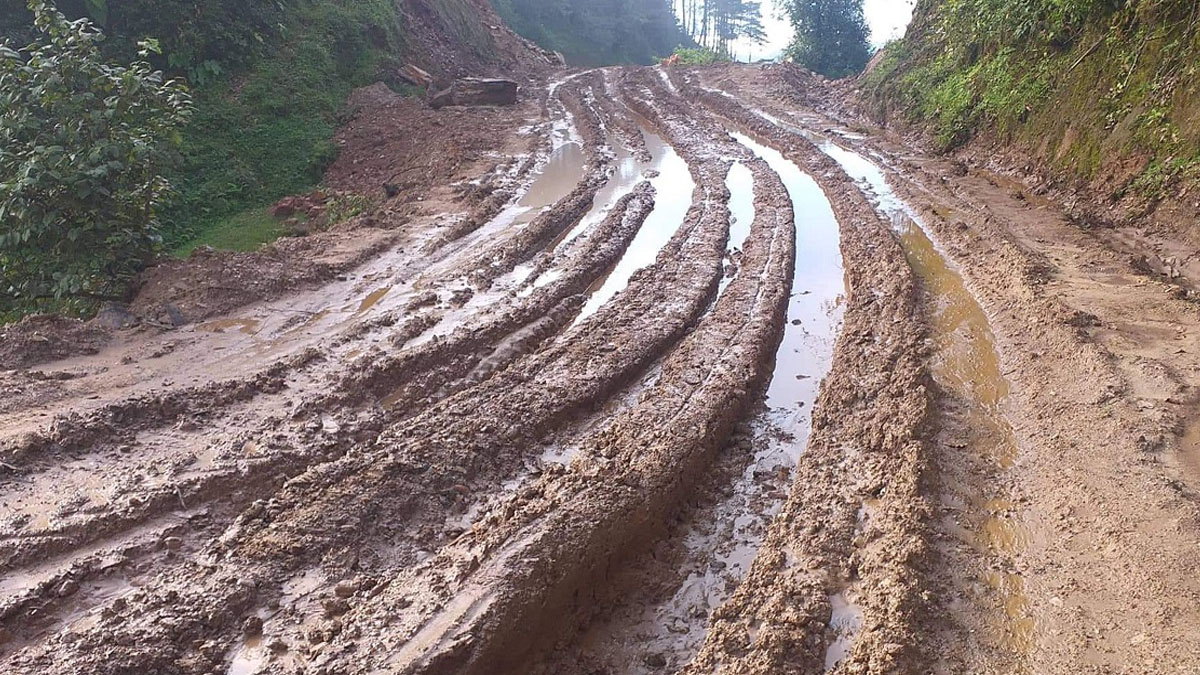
pixel 597 32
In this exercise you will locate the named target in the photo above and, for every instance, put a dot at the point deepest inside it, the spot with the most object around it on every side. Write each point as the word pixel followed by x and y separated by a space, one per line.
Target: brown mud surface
pixel 658 372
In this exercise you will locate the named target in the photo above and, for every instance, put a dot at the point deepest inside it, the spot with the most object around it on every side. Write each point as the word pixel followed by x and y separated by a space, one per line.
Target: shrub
pixel 697 56
pixel 83 146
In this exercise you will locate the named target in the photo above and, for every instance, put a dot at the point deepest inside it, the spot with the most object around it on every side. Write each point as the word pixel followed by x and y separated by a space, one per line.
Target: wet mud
pixel 687 377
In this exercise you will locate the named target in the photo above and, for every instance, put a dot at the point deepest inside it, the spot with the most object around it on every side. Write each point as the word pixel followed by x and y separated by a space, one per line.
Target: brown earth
pixel 559 407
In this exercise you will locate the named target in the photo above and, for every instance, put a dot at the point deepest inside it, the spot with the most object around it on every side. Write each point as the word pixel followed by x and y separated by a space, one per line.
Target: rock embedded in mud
pixel 655 660
pixel 334 607
pixel 253 626
pixel 346 588
pixel 67 588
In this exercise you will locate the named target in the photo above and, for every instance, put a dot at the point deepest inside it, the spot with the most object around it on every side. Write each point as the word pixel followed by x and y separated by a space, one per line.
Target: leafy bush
pixel 83 147
pixel 697 56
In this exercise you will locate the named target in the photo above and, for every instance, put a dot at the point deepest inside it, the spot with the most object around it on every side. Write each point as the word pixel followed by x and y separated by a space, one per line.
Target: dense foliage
pixel 1124 69
pixel 831 38
pixel 83 147
pixel 269 78
pixel 266 130
pixel 596 32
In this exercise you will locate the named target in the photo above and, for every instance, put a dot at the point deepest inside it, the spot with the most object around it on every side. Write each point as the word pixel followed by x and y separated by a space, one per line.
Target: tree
pixel 596 32
pixel 831 36
pixel 717 24
pixel 83 144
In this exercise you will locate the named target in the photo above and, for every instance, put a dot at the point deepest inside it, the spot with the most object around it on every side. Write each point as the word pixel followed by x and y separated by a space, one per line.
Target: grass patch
pixel 245 231
pixel 268 132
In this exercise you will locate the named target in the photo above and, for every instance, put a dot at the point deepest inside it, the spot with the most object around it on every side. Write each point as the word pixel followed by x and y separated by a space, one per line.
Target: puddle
pixel 563 171
pixel 844 623
pixel 741 216
pixel 816 305
pixel 372 299
pixel 97 594
pixel 247 326
pixel 251 657
pixel 1011 587
pixel 967 363
pixel 252 654
pixel 720 541
pixel 673 197
pixel 626 174
pixel 966 359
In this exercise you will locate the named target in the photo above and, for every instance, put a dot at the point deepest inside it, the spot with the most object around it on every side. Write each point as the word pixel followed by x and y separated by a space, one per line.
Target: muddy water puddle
pixel 845 622
pixel 562 172
pixel 246 326
pixel 967 364
pixel 674 188
pixel 816 305
pixel 718 542
pixel 740 183
pixel 296 608
pixel 288 326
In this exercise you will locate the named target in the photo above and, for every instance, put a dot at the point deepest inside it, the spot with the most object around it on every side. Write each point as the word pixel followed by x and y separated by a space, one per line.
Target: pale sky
pixel 887 18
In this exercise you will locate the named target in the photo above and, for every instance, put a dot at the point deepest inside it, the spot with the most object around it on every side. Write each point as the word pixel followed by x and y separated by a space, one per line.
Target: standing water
pixel 718 542
pixel 966 363
pixel 673 197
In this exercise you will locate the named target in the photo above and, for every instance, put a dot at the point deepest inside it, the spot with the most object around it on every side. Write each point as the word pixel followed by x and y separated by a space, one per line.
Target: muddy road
pixel 711 380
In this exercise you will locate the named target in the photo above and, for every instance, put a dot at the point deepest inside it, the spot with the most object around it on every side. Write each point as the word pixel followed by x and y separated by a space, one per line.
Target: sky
pixel 887 18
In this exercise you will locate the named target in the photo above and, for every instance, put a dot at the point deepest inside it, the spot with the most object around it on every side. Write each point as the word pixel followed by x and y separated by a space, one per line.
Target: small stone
pixel 253 626
pixel 345 588
pixel 68 588
pixel 173 543
pixel 655 660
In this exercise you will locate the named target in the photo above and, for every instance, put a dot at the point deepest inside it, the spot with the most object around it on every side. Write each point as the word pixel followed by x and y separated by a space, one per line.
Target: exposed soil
pixel 656 372
pixel 45 338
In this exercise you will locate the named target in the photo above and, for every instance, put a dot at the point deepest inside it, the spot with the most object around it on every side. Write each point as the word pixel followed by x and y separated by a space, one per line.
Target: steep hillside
pixel 270 80
pixel 1099 92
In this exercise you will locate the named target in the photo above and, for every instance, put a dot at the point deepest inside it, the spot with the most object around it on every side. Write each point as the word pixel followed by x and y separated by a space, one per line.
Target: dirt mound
pixel 411 162
pixel 210 282
pixel 459 38
pixel 401 142
pixel 41 338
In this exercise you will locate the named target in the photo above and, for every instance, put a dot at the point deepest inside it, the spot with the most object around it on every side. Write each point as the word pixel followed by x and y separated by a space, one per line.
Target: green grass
pixel 1087 85
pixel 245 231
pixel 268 132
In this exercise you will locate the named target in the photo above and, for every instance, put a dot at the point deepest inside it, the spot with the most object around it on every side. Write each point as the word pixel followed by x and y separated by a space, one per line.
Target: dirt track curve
pixel 709 380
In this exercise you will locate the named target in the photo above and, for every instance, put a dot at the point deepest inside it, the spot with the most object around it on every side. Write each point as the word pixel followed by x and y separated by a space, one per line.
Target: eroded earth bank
pixel 658 371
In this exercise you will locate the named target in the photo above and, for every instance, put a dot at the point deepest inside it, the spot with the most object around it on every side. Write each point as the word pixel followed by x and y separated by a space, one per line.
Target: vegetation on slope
pixel 83 146
pixel 596 32
pixel 1105 89
pixel 268 78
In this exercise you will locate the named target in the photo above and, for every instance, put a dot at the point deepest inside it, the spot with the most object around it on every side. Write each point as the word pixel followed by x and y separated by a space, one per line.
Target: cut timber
pixel 415 76
pixel 476 91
